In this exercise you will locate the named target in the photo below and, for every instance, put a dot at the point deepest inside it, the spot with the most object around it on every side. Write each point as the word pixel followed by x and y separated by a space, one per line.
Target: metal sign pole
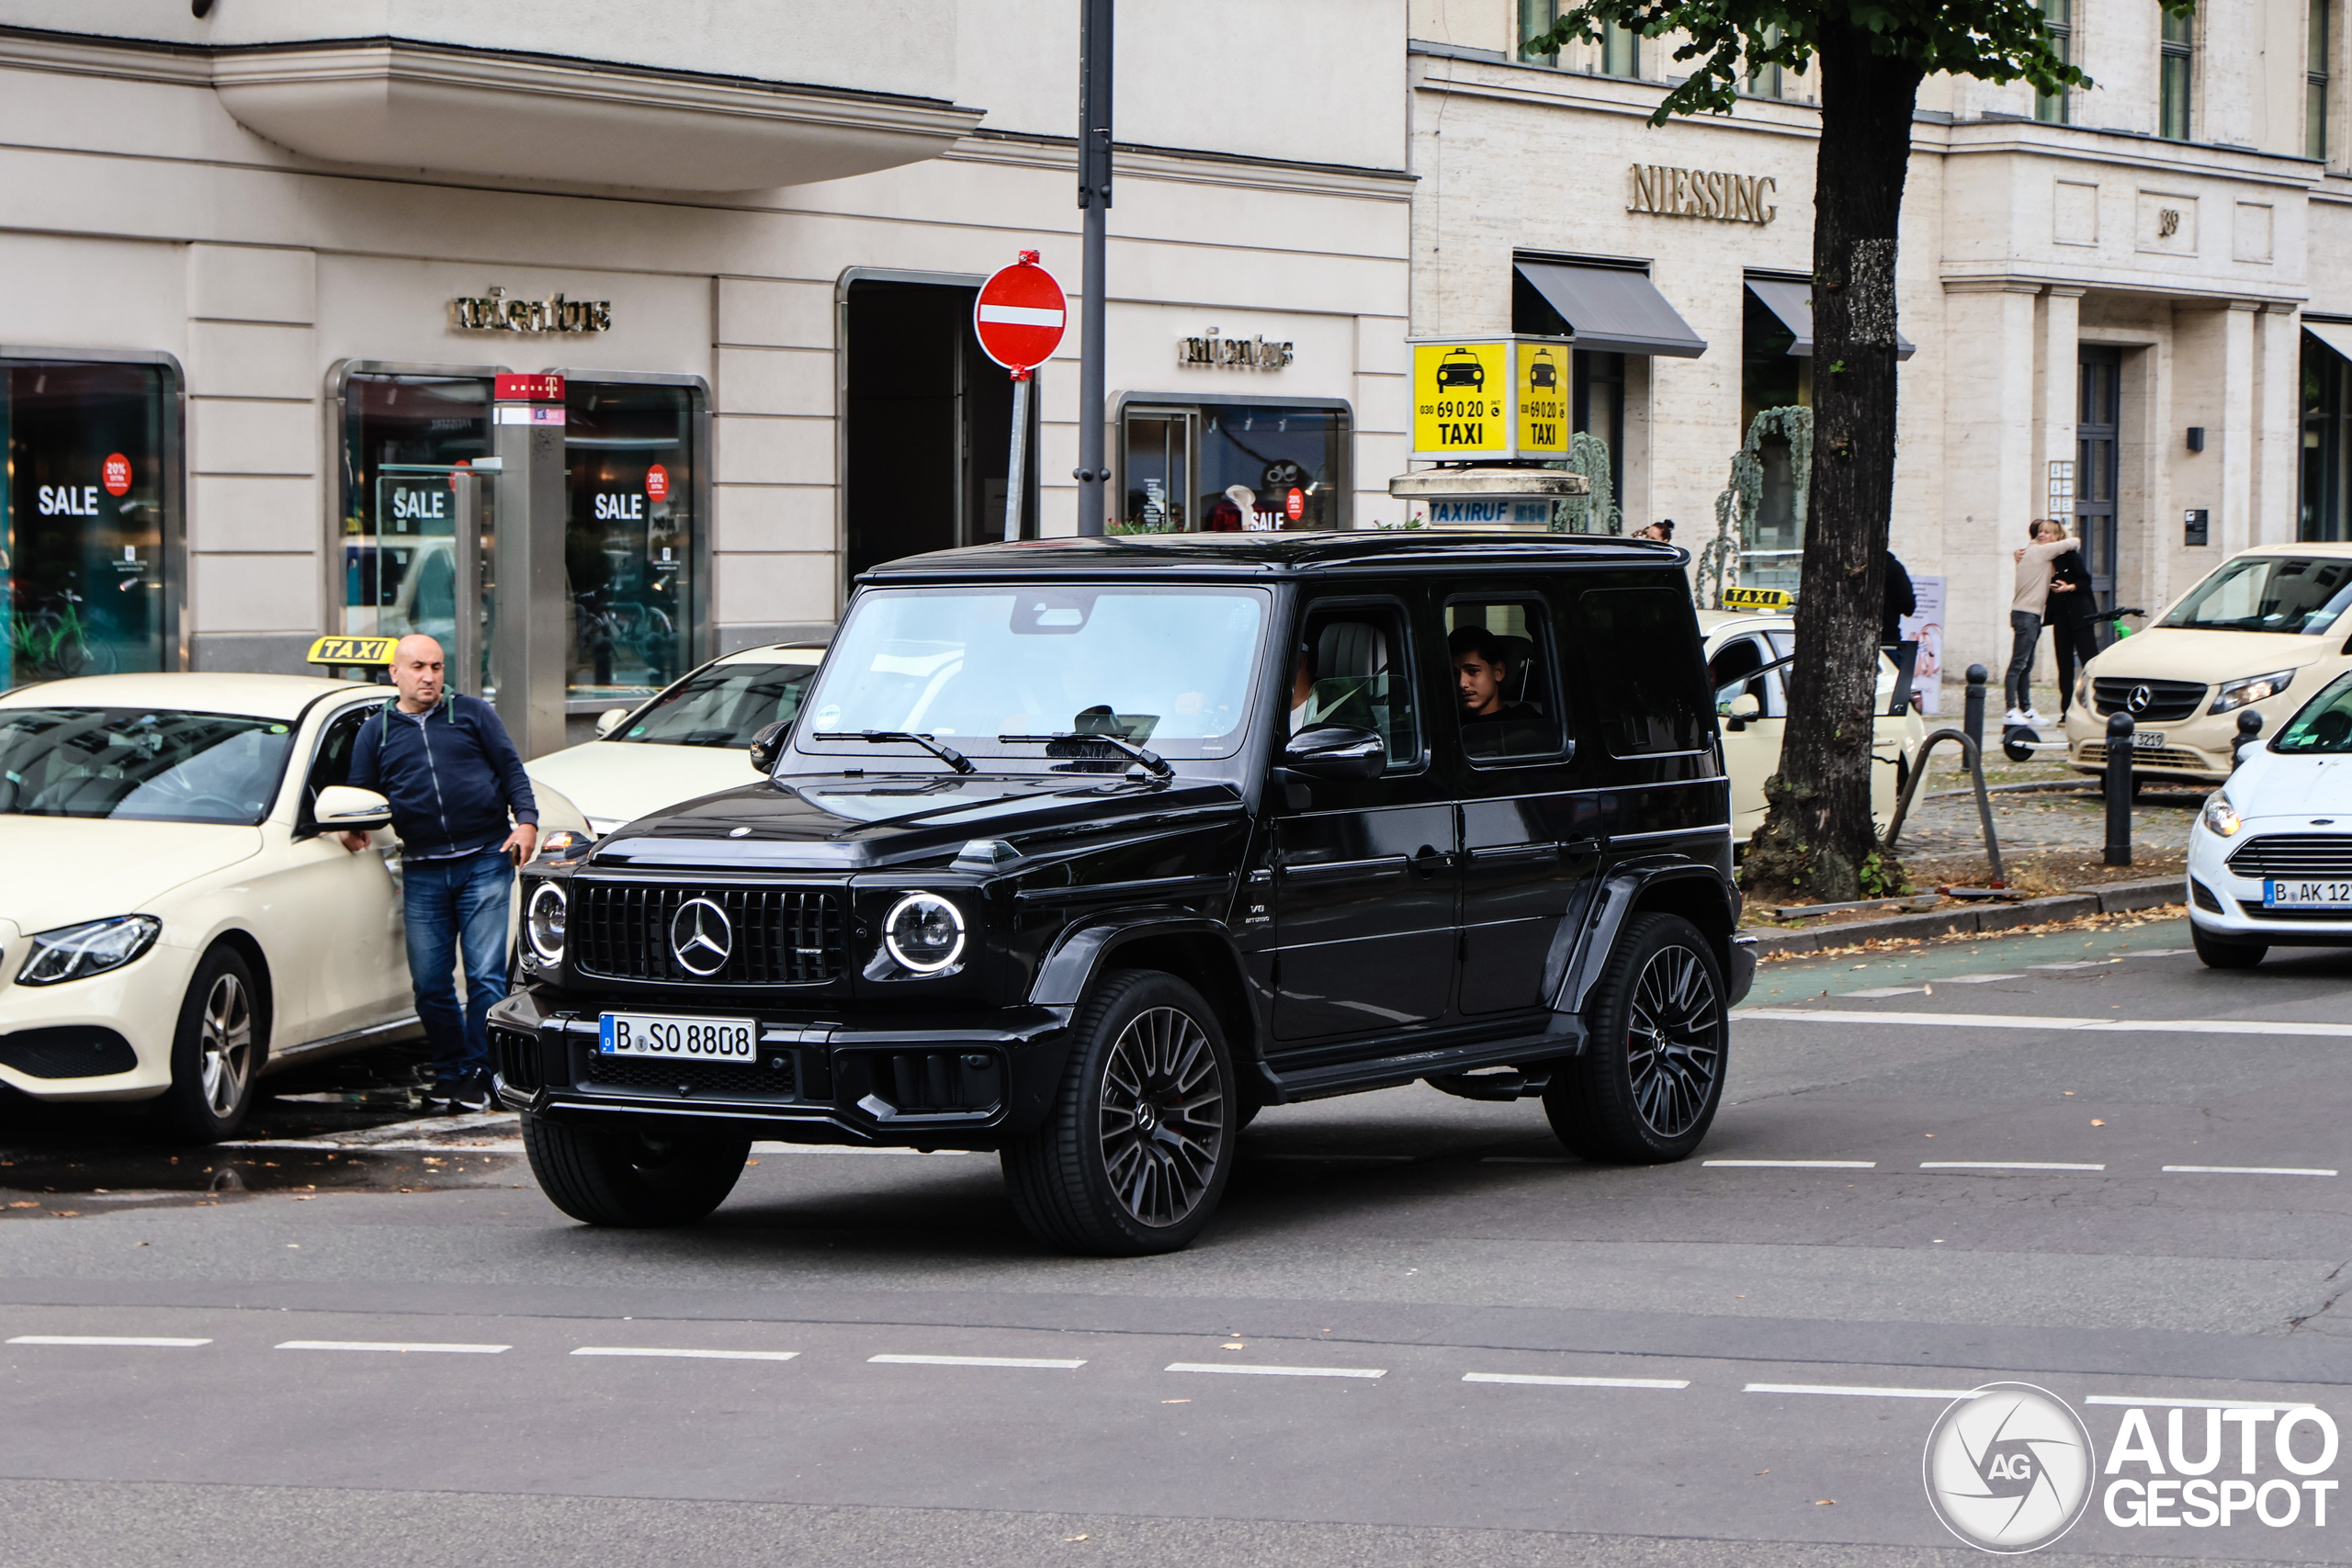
pixel 1016 472
pixel 1094 200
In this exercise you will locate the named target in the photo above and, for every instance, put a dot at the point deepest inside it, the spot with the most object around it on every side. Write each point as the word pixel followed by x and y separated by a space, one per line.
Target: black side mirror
pixel 768 745
pixel 1336 751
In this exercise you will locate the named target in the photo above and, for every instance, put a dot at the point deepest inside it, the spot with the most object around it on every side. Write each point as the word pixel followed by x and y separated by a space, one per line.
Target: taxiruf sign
pixel 1020 315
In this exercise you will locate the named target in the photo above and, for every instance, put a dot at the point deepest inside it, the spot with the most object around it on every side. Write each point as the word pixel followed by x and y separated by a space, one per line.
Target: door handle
pixel 1428 860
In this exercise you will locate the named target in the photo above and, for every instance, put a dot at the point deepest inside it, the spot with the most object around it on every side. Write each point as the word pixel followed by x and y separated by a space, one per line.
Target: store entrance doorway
pixel 928 424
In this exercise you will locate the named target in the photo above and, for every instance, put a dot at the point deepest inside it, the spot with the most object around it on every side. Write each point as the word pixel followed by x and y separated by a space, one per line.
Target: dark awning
pixel 1613 309
pixel 1793 302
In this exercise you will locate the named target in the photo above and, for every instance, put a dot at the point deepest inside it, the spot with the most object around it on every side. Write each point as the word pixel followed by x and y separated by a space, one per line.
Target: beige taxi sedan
pixel 178 919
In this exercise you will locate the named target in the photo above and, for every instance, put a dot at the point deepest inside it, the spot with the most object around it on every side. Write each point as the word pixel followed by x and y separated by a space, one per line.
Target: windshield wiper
pixel 948 754
pixel 1152 761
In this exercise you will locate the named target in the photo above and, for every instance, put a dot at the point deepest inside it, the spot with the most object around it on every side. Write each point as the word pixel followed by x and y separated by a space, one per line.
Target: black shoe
pixel 433 1100
pixel 470 1094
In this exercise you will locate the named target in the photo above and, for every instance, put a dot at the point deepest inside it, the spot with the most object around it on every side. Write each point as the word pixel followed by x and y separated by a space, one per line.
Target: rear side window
pixel 1649 691
pixel 1506 699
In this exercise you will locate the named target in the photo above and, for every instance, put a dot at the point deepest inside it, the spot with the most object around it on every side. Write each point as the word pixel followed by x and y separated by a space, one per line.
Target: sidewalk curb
pixel 2116 897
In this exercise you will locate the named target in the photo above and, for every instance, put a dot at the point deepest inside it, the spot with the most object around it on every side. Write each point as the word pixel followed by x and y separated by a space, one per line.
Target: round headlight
pixel 925 933
pixel 544 921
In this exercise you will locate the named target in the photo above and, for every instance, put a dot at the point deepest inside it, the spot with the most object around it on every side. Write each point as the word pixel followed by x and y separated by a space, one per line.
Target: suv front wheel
pixel 640 1177
pixel 1137 1148
pixel 1646 1089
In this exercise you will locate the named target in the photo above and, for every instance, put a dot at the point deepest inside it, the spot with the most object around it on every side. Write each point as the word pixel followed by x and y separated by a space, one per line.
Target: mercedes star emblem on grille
pixel 700 937
pixel 2140 699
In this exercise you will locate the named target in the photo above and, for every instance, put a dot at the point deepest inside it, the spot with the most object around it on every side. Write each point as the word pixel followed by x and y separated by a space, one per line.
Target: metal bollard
pixel 2119 789
pixel 1971 721
pixel 2249 733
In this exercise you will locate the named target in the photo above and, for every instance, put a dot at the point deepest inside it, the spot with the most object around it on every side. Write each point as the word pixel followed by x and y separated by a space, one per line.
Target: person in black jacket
pixel 2073 622
pixel 454 780
pixel 1899 599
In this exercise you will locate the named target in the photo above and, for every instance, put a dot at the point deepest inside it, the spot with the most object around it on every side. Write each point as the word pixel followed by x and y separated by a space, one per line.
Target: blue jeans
pixel 455 906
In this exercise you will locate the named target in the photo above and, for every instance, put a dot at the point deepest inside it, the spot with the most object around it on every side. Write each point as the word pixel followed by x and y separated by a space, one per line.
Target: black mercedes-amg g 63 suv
pixel 1085 850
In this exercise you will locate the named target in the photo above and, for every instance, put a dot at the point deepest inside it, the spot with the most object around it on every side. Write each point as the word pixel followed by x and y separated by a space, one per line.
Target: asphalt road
pixel 1419 1334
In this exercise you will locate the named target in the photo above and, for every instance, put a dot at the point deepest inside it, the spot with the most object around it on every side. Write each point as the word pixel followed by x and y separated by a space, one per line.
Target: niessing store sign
pixel 1702 193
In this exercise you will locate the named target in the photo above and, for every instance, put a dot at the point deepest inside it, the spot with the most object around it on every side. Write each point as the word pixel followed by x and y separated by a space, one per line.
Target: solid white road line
pixel 1878 991
pixel 1795 1164
pixel 394 1346
pixel 1278 1371
pixel 690 1355
pixel 2002 1165
pixel 107 1339
pixel 2162 1402
pixel 973 1362
pixel 1576 1383
pixel 2248 1170
pixel 1860 1393
pixel 2020 1021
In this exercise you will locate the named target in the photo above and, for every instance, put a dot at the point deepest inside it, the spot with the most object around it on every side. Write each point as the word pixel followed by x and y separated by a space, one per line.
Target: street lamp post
pixel 1095 200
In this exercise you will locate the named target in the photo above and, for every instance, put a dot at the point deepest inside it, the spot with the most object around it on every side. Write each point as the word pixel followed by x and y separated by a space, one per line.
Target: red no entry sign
pixel 1020 314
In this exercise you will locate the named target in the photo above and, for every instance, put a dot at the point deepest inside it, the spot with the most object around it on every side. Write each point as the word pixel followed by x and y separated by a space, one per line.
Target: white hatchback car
pixel 689 741
pixel 176 921
pixel 2270 858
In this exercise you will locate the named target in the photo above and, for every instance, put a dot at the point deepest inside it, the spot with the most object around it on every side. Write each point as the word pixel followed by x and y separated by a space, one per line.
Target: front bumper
pixel 137 1005
pixel 2224 904
pixel 963 1080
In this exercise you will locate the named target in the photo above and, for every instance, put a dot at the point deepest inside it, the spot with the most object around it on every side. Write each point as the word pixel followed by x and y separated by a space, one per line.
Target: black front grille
pixel 2169 702
pixel 515 1057
pixel 780 936
pixel 2339 914
pixel 68 1051
pixel 2322 856
pixel 770 1078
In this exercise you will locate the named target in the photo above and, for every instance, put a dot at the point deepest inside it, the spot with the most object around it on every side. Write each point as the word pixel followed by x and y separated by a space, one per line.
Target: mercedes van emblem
pixel 2140 698
pixel 700 937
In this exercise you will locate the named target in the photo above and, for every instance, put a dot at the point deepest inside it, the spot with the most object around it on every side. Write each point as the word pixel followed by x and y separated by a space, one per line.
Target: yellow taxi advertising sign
pixel 1543 383
pixel 1490 399
pixel 1755 598
pixel 336 651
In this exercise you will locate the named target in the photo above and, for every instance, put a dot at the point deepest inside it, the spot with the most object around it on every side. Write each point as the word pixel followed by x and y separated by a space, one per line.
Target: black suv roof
pixel 1278 555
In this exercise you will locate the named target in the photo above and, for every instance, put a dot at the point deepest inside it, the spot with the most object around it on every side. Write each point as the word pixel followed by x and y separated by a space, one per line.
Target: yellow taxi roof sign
pixel 1756 598
pixel 349 651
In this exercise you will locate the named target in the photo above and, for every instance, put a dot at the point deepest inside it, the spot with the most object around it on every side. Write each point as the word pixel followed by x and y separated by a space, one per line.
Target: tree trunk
pixel 1817 836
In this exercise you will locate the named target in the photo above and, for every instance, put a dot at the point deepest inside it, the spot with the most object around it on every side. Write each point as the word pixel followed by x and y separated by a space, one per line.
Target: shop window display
pixel 83 519
pixel 405 436
pixel 1233 467
pixel 628 456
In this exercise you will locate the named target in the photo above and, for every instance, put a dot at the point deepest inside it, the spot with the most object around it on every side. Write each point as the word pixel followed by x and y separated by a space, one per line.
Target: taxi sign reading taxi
pixel 1019 316
pixel 1490 399
pixel 1755 598
pixel 338 650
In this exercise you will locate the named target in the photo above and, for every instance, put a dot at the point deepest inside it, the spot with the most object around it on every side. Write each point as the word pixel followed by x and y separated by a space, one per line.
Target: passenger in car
pixel 1490 726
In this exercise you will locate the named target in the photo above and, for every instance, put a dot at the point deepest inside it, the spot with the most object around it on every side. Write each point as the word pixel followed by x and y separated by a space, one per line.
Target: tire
pixel 631 1176
pixel 217 1048
pixel 1097 1177
pixel 2216 953
pixel 1626 1099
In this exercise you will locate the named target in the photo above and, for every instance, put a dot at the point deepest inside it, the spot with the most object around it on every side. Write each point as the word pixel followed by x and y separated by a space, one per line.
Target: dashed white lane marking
pixel 395 1345
pixel 1859 1393
pixel 1575 1383
pixel 2022 1020
pixel 1795 1164
pixel 1277 1371
pixel 690 1355
pixel 2003 1164
pixel 2248 1170
pixel 149 1341
pixel 2164 1402
pixel 975 1361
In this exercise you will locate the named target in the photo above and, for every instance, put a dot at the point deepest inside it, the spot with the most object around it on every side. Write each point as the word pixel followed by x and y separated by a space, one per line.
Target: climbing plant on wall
pixel 1596 512
pixel 1718 565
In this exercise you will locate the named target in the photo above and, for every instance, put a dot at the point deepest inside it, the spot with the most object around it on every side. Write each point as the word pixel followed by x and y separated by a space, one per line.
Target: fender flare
pixel 1612 904
pixel 1091 943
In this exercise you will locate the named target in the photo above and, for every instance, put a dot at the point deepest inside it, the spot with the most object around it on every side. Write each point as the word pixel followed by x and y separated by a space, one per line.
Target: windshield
pixel 140 764
pixel 2322 727
pixel 725 704
pixel 2303 594
pixel 1166 665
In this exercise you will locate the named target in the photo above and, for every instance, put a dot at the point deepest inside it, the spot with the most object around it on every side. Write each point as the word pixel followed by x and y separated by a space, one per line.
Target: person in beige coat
pixel 2030 603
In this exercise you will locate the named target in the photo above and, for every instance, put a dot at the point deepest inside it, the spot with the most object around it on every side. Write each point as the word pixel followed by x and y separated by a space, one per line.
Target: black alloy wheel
pixel 1647 1087
pixel 1137 1148
pixel 642 1176
pixel 217 1051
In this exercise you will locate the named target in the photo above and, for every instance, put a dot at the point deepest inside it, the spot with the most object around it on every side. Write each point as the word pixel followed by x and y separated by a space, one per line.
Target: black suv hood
pixel 842 823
